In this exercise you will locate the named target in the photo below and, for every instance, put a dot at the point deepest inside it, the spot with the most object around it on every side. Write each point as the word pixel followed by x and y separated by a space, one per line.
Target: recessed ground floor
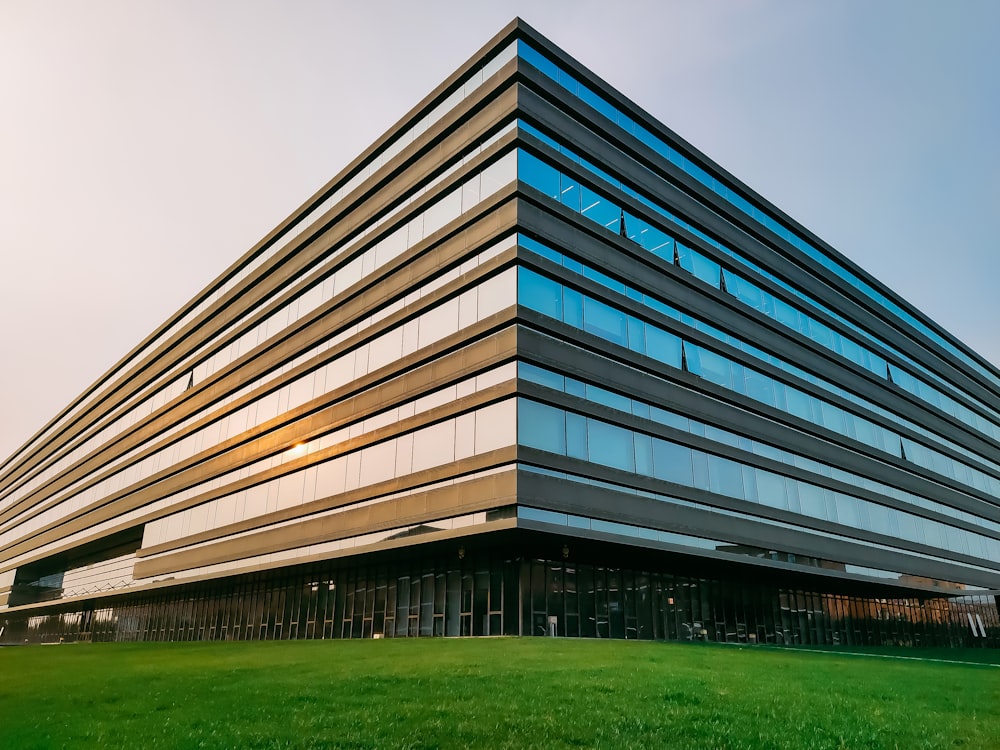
pixel 521 583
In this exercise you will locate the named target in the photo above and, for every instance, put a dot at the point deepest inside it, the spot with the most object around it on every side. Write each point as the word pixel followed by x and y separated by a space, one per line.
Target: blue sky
pixel 145 146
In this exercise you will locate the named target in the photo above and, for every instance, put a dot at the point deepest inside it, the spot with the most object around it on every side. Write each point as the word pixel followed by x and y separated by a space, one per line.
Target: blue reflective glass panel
pixel 541 426
pixel 604 321
pixel 663 346
pixel 539 293
pixel 725 477
pixel 644 455
pixel 672 463
pixel 613 400
pixel 539 175
pixel 610 445
pixel 771 489
pixel 576 436
pixel 539 375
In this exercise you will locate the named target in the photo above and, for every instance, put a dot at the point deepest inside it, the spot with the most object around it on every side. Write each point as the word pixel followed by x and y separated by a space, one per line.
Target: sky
pixel 145 146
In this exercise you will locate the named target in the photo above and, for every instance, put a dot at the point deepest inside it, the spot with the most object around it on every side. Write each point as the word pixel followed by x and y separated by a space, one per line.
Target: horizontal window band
pixel 485 351
pixel 571 497
pixel 475 495
pixel 232 377
pixel 427 143
pixel 557 328
pixel 567 166
pixel 249 302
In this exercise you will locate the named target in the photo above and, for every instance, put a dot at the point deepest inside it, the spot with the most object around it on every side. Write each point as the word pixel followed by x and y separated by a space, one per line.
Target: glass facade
pixel 493 594
pixel 731 194
pixel 531 365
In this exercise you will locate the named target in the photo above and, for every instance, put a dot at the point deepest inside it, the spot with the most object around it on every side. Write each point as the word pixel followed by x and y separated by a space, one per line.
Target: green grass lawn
pixel 490 693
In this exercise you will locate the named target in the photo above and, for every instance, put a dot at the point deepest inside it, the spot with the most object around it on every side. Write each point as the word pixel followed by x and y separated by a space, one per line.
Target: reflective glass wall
pixel 773 395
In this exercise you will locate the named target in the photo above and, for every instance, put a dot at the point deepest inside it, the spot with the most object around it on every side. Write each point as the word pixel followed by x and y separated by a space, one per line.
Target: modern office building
pixel 531 364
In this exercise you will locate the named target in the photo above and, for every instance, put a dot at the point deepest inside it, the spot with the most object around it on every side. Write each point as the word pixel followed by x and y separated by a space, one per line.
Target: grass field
pixel 491 693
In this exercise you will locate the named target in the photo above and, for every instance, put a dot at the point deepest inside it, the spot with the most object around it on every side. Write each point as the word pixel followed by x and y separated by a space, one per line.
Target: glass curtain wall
pixel 520 594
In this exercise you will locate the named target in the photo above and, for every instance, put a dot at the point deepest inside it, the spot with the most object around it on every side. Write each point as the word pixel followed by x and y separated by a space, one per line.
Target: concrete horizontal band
pixel 550 493
pixel 484 351
pixel 347 308
pixel 468 497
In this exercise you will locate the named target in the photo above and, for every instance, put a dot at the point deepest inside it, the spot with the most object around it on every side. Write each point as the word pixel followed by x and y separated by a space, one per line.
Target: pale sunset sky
pixel 144 146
